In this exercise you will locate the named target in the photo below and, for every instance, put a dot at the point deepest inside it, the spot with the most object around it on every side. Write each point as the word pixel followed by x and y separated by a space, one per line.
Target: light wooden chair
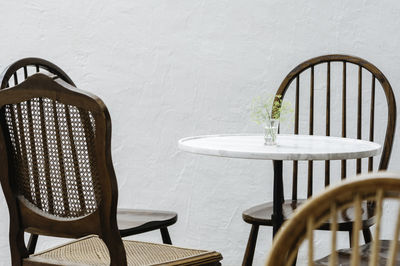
pixel 57 176
pixel 130 221
pixel 336 201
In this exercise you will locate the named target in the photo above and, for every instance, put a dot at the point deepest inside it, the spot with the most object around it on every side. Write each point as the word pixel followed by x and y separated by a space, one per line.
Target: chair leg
pixel 367 235
pixel 32 243
pixel 165 236
pixel 251 246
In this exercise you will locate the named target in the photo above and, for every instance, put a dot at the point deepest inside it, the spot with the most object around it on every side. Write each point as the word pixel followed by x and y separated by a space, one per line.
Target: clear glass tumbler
pixel 271 130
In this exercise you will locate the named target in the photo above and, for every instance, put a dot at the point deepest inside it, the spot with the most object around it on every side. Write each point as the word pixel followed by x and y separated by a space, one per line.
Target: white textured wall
pixel 168 69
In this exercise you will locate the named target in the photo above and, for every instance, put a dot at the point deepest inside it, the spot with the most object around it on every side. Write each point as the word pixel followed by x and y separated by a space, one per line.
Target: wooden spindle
pixel 359 115
pixel 311 132
pixel 294 181
pixel 375 247
pixel 296 131
pixel 328 118
pixel 394 243
pixel 310 179
pixel 15 79
pixel 293 254
pixel 334 227
pixel 311 129
pixel 372 122
pixel 25 72
pixel 343 163
pixel 297 106
pixel 355 255
pixel 328 100
pixel 310 239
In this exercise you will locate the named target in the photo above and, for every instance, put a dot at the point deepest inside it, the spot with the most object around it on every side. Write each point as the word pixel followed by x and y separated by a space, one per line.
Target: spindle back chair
pixel 58 179
pixel 22 69
pixel 364 67
pixel 260 215
pixel 327 206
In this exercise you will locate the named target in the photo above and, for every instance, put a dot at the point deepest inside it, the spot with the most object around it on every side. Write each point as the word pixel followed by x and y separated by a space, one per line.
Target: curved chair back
pixel 303 78
pixel 56 168
pixel 23 68
pixel 331 203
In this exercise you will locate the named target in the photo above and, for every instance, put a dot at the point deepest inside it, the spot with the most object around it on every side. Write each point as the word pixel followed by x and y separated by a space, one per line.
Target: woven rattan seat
pixel 92 251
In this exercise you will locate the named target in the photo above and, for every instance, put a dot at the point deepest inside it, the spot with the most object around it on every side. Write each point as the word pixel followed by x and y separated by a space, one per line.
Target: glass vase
pixel 271 131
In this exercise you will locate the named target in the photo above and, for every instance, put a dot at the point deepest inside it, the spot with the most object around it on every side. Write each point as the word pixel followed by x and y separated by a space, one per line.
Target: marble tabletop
pixel 289 147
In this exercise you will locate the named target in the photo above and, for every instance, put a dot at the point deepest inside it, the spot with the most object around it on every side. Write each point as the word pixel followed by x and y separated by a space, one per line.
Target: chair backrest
pixel 23 68
pixel 331 203
pixel 324 65
pixel 56 168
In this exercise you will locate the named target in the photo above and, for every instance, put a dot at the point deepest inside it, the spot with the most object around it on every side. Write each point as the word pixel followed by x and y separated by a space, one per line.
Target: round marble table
pixel 289 147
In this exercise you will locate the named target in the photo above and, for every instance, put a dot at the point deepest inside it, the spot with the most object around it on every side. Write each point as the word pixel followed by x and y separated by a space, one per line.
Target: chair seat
pixel 261 215
pixel 91 250
pixel 344 255
pixel 135 221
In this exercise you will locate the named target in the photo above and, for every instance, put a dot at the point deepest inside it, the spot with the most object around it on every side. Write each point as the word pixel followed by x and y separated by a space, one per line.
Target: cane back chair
pixel 58 179
pixel 381 189
pixel 130 221
pixel 260 215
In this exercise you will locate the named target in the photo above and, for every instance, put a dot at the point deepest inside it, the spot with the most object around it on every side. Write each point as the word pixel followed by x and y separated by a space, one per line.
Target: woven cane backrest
pixel 380 189
pixel 53 156
pixel 51 144
pixel 320 90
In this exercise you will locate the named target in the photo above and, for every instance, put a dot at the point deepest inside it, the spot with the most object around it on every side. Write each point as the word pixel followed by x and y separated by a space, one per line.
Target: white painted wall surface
pixel 168 69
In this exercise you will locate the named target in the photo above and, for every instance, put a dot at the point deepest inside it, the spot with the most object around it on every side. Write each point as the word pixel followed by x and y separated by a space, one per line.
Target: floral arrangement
pixel 268 111
pixel 270 107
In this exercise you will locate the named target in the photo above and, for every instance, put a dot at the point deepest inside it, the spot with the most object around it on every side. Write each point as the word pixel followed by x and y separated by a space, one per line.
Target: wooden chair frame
pixel 39 63
pixel 350 193
pixel 58 179
pixel 128 223
pixel 25 216
pixel 277 218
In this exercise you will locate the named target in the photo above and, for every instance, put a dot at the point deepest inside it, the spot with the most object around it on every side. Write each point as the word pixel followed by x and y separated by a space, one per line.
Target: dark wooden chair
pixel 261 215
pixel 58 179
pixel 328 206
pixel 130 221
